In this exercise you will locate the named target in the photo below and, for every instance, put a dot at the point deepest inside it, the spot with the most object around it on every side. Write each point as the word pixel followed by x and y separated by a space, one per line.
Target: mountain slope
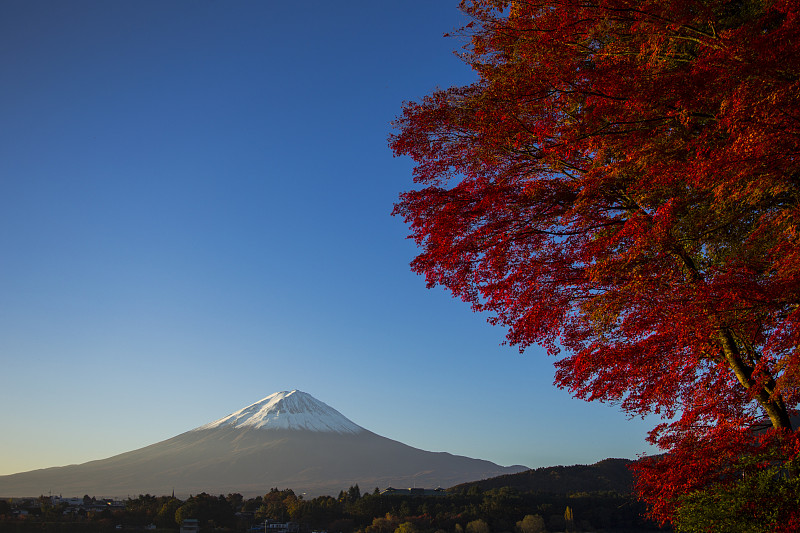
pixel 287 440
pixel 606 475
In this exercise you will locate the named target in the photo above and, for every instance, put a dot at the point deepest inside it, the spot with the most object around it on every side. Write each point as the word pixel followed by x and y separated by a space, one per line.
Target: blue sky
pixel 195 204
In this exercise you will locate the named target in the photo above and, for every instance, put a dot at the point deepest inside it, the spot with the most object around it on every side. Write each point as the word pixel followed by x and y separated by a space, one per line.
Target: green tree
pixel 755 503
pixel 385 524
pixel 353 493
pixel 531 524
pixel 5 508
pixel 208 510
pixel 252 504
pixel 406 527
pixel 189 509
pixel 273 511
pixel 236 501
pixel 478 526
pixel 165 517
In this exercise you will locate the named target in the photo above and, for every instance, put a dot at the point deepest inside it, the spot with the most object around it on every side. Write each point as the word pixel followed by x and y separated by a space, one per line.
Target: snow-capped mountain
pixel 287 440
pixel 294 410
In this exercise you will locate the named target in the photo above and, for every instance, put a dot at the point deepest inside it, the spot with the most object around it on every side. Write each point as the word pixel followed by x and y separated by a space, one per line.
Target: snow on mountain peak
pixel 295 410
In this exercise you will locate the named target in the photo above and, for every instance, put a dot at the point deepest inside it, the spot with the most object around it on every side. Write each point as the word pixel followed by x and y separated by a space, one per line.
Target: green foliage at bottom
pixel 766 501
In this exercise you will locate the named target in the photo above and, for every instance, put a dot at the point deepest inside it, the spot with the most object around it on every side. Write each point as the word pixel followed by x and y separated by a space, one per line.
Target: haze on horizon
pixel 195 214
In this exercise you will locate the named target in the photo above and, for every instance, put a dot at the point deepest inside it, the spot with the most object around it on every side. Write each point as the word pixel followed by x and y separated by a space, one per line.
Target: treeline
pixel 467 511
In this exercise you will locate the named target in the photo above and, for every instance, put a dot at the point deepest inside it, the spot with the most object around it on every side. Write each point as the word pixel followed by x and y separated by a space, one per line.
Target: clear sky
pixel 195 204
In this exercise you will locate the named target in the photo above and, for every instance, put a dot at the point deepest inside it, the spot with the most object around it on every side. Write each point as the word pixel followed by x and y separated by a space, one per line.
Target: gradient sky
pixel 195 204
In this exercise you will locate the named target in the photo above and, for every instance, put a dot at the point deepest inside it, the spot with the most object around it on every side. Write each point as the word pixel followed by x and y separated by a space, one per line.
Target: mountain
pixel 287 440
pixel 294 410
pixel 612 475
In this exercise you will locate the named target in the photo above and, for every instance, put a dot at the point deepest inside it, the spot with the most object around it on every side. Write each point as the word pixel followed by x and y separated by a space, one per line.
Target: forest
pixel 464 510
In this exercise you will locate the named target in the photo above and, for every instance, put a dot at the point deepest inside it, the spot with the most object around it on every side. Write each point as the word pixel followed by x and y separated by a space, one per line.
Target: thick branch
pixel 771 403
pixel 774 407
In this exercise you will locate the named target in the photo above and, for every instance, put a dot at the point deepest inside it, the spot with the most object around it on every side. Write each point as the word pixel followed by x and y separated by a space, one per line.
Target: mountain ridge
pixel 607 475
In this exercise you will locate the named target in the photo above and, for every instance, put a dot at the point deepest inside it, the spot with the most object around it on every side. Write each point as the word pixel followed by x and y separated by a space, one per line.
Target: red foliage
pixel 623 181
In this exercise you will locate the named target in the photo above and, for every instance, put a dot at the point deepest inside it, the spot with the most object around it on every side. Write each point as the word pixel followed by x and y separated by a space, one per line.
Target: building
pixel 190 525
pixel 273 526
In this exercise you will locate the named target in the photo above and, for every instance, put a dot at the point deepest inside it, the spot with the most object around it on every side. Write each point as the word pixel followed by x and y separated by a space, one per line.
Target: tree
pixel 189 510
pixel 569 519
pixel 406 527
pixel 236 501
pixel 387 524
pixel 752 504
pixel 477 526
pixel 621 185
pixel 166 517
pixel 531 524
pixel 208 510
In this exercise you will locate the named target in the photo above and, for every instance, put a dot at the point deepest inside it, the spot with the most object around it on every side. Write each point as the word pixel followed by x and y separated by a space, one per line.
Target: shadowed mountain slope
pixel 606 475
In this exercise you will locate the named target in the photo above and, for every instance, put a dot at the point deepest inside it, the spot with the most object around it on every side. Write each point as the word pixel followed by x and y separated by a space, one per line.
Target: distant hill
pixel 606 475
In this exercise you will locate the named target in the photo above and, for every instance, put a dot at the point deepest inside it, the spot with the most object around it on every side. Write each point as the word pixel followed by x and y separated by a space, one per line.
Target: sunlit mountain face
pixel 295 410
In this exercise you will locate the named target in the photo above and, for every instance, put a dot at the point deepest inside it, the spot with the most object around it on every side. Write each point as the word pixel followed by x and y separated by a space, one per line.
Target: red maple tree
pixel 622 186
